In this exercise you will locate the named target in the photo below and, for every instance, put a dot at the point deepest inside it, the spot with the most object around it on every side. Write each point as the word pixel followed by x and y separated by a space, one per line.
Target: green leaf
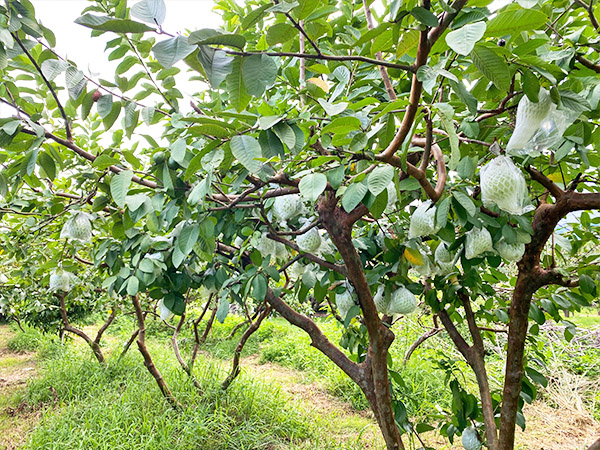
pixel 313 185
pixel 235 86
pixel 466 202
pixel 228 40
pixel 152 11
pixel 103 162
pixel 333 109
pixel 187 238
pixel 222 310
pixel 109 24
pixel 133 285
pixel 172 50
pixel 492 66
pixel 464 39
pixel 280 33
pixel 587 284
pixel 104 105
pixel 342 125
pixel 441 212
pixel 353 195
pixel 258 72
pixel 285 133
pixel 216 64
pixel 51 68
pixel 305 8
pixel 514 21
pixel 254 16
pixel 75 82
pixel 425 16
pixel 379 179
pixel 531 86
pixel 408 40
pixel 119 186
pixel 259 287
pixel 246 149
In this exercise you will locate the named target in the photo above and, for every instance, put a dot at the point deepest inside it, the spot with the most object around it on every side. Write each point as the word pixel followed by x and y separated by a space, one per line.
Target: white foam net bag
pixel 529 117
pixel 309 241
pixel 60 280
pixel 479 241
pixel 286 207
pixel 344 302
pixel 422 221
pixel 402 302
pixel 78 227
pixel 510 252
pixel 382 302
pixel 165 313
pixel 469 439
pixel 503 184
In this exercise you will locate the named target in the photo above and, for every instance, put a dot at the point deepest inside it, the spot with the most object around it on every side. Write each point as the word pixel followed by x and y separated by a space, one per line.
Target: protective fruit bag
pixel 309 241
pixel 510 252
pixel 60 280
pixel 479 241
pixel 402 302
pixel 422 221
pixel 344 302
pixel 78 227
pixel 503 184
pixel 538 126
pixel 286 207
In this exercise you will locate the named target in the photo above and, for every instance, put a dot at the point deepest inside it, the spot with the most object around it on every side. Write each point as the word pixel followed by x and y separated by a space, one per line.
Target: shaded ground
pixel 16 418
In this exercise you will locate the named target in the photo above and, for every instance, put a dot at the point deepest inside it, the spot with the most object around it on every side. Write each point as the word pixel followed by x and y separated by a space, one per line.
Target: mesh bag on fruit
pixel 503 184
pixel 392 197
pixel 422 221
pixel 402 302
pixel 469 439
pixel 309 241
pixel 265 245
pixel 444 260
pixel 529 117
pixel 60 280
pixel 286 207
pixel 382 302
pixel 510 252
pixel 78 227
pixel 344 302
pixel 165 313
pixel 479 241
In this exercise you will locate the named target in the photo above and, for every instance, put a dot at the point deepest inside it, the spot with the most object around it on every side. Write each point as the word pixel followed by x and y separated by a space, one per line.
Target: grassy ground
pixel 288 396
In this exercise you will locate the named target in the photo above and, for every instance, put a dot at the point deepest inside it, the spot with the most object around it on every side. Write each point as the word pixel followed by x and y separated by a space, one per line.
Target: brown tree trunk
pixel 339 227
pixel 94 344
pixel 235 368
pixel 141 342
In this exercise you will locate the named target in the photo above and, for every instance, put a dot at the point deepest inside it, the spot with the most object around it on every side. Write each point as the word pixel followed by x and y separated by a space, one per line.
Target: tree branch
pixel 326 58
pixel 50 88
pixel 545 181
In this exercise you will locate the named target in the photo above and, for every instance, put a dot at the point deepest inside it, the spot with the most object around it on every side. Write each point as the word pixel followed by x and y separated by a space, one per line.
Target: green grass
pixel 586 318
pixel 28 340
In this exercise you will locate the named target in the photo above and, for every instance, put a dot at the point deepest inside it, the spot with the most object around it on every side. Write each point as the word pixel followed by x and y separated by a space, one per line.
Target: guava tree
pixel 364 154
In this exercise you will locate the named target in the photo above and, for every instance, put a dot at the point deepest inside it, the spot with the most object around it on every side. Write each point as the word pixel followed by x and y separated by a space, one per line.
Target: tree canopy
pixel 372 156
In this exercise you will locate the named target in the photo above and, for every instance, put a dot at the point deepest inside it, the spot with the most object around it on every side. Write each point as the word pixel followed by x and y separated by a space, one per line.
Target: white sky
pixel 75 41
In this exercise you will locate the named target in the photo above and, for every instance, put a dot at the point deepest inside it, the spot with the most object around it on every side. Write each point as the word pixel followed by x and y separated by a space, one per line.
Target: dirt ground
pixel 16 417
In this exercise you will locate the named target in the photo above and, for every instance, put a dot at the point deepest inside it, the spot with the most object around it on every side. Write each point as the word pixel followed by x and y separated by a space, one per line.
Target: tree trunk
pixel 235 368
pixel 141 342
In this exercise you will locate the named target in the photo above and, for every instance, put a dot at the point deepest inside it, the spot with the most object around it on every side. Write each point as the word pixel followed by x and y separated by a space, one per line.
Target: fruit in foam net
pixel 503 184
pixel 286 207
pixel 382 302
pixel 402 302
pixel 510 252
pixel 469 440
pixel 479 241
pixel 344 302
pixel 78 227
pixel 309 241
pixel 529 118
pixel 60 280
pixel 165 313
pixel 422 221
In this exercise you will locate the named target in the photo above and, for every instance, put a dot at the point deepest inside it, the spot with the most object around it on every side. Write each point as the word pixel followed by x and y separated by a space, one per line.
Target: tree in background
pixel 368 157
